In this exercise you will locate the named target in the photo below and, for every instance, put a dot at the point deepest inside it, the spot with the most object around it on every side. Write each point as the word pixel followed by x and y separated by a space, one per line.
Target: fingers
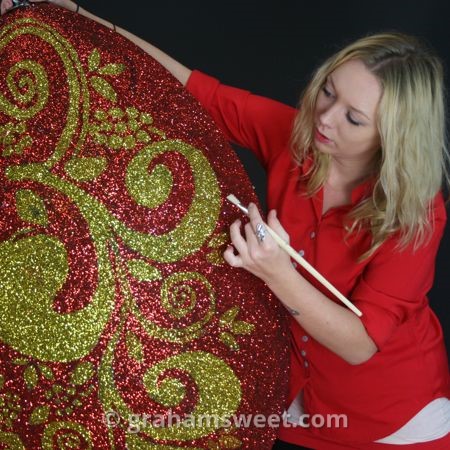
pixel 243 245
pixel 275 224
pixel 254 216
pixel 237 239
pixel 257 225
pixel 272 222
pixel 250 235
pixel 232 259
pixel 5 6
pixel 249 251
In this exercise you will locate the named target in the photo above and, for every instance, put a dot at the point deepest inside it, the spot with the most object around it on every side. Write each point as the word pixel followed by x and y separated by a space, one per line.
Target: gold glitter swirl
pixel 219 389
pixel 172 287
pixel 77 83
pixel 151 190
pixel 46 334
pixel 10 441
pixel 194 228
pixel 178 300
pixel 213 378
pixel 25 89
pixel 219 393
pixel 64 435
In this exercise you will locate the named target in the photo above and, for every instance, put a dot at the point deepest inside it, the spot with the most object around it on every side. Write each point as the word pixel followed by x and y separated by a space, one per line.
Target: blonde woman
pixel 354 182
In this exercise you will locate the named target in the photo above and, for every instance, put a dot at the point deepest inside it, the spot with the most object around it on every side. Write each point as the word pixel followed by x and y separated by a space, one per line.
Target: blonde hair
pixel 411 123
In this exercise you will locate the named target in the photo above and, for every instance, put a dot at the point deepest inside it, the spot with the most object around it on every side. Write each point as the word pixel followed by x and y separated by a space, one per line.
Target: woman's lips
pixel 321 137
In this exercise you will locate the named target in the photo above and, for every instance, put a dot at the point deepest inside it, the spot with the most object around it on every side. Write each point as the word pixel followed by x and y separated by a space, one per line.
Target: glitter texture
pixel 114 295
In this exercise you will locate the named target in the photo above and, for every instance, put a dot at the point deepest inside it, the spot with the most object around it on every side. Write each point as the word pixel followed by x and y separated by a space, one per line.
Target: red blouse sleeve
pixel 395 283
pixel 257 123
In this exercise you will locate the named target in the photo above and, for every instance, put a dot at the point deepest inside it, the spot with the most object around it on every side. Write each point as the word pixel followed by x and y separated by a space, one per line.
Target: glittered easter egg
pixel 121 326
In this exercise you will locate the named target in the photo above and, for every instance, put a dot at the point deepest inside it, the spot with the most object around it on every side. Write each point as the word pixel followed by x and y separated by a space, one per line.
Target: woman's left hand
pixel 262 257
pixel 5 6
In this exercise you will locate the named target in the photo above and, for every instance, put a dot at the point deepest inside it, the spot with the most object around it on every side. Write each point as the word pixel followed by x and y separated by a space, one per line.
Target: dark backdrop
pixel 271 48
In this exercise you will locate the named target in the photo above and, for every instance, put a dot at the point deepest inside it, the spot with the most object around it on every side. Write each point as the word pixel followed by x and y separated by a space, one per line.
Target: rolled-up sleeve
pixel 251 121
pixel 395 283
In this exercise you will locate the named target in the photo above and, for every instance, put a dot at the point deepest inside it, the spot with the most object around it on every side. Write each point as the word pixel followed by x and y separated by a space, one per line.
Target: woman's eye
pixel 326 92
pixel 352 121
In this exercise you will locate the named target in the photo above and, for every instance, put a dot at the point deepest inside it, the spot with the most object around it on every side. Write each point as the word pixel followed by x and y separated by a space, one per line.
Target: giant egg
pixel 121 326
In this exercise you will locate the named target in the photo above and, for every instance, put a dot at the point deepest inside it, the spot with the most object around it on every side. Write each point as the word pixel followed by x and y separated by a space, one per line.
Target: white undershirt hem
pixel 430 423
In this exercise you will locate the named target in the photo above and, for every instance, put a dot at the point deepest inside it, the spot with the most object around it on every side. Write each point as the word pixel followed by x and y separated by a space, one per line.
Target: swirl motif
pixel 219 396
pixel 63 435
pixel 77 83
pixel 171 289
pixel 204 209
pixel 26 90
pixel 203 368
pixel 178 300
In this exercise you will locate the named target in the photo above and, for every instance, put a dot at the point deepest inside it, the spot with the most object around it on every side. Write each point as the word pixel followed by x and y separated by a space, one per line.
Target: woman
pixel 355 180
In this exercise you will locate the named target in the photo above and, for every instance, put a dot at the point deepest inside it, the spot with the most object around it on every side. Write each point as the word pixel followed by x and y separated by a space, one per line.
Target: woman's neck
pixel 346 174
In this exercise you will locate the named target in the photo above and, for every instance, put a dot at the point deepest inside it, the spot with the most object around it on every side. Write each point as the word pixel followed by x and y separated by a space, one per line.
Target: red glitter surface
pixel 65 232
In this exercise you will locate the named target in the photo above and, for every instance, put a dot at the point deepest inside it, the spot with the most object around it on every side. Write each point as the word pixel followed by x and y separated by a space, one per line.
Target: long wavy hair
pixel 412 161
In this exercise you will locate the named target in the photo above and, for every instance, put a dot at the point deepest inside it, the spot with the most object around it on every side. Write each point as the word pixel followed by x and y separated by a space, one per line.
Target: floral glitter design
pixel 14 138
pixel 111 275
pixel 9 408
pixel 234 328
pixel 99 84
pixel 118 129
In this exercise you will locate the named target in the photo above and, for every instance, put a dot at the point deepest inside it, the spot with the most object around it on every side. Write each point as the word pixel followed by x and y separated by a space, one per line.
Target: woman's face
pixel 345 114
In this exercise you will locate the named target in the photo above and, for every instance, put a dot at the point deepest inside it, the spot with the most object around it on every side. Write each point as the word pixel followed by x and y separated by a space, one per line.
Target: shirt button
pixel 306 364
pixel 305 338
pixel 301 253
pixel 303 353
pixel 313 234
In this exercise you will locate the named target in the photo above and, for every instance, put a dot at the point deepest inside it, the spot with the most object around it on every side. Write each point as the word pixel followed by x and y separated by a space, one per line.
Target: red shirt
pixel 410 368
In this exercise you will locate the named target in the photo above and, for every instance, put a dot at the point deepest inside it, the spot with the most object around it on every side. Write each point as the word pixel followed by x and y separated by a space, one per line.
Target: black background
pixel 272 47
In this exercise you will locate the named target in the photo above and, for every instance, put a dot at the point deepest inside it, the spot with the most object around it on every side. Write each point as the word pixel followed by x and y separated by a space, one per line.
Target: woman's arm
pixel 179 71
pixel 329 323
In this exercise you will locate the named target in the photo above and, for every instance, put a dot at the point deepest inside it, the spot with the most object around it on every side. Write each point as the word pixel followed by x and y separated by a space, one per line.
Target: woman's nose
pixel 327 116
